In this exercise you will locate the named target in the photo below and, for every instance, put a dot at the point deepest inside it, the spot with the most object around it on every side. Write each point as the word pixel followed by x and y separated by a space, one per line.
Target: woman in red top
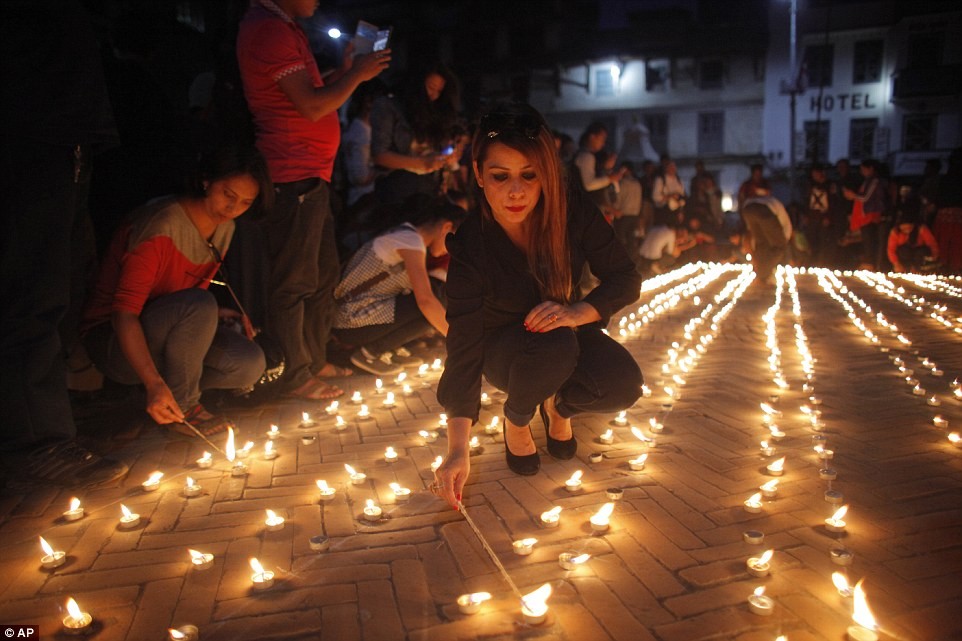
pixel 911 246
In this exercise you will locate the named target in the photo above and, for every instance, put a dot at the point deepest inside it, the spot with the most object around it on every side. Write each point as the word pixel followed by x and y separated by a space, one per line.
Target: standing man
pixel 298 131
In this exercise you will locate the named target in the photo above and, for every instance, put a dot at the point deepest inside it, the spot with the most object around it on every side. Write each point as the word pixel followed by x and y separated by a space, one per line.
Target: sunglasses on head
pixel 497 123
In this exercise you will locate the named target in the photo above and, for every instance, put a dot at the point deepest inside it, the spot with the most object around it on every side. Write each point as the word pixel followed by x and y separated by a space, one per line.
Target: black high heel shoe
pixel 526 465
pixel 563 450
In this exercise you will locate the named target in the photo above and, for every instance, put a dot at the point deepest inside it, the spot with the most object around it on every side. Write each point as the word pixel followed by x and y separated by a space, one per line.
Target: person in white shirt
pixel 668 195
pixel 770 229
pixel 662 247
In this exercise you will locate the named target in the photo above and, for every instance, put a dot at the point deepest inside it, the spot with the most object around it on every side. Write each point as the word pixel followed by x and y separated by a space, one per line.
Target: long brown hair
pixel 522 128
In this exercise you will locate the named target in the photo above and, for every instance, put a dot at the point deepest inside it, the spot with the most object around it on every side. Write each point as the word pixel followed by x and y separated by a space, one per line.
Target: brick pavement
pixel 672 565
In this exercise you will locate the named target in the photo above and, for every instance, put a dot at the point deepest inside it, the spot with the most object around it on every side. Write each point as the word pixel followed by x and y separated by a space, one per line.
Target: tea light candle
pixel 401 494
pixel 599 520
pixel 814 400
pixel 274 432
pixel 835 523
pixel 759 566
pixel 471 603
pixel 474 445
pixel 371 512
pixel 76 510
pixel 357 478
pixel 436 463
pixel 614 493
pixel 306 420
pixel 201 560
pixel 760 604
pixel 833 496
pixel 429 437
pixel 442 420
pixel 261 579
pixel 320 543
pixel 269 452
pixel 655 426
pixel 933 401
pixel 827 474
pixel 406 390
pixel 273 521
pixel 774 433
pixel 766 449
pixel 205 461
pixel 595 457
pixel 777 467
pixel 326 492
pixel 840 581
pixel 245 451
pixel 422 370
pixel 534 608
pixel 356 398
pixel 645 391
pixel 573 484
pixel 340 424
pixel 191 489
pixel 607 437
pixel 493 427
pixel 769 489
pixel 841 556
pixel 551 517
pixel 77 621
pixel 51 558
pixel 824 454
pixel 378 386
pixel 918 390
pixel 152 482
pixel 523 547
pixel 308 439
pixel 621 419
pixel 753 536
pixel 485 400
pixel 939 421
pixel 129 519
pixel 638 464
pixel 364 414
pixel 753 504
pixel 570 561
pixel 184 633
pixel 390 456
pixel 937 372
pixel 400 378
pixel 389 401
pixel 436 365
pixel 332 409
pixel 955 439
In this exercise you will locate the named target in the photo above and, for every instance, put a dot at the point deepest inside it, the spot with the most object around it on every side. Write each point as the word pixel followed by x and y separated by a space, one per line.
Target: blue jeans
pixel 585 370
pixel 191 350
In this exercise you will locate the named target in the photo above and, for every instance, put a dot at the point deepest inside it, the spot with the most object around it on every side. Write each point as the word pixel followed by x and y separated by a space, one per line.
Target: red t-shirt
pixel 269 47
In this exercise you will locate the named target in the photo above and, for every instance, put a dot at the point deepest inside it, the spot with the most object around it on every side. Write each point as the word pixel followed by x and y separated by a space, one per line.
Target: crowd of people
pixel 361 237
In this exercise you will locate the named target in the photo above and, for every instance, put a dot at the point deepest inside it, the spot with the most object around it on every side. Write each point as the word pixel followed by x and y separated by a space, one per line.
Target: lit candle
pixel 406 390
pixel 493 427
pixel 51 558
pixel 191 489
pixel 378 386
pixel 442 420
pixel 823 453
pixel 332 409
pixel 77 621
pixel 638 434
pixel 356 398
pixel 534 605
pixel 245 451
pixel 599 520
pixel 918 390
pixel 759 566
pixel 340 424
pixel 573 484
pixel 570 561
pixel 474 445
pixel 939 421
pixel 955 439
pixel 364 414
pixel 273 521
pixel 436 463
pixel 76 510
pixel 326 491
pixel 769 489
pixel 841 584
pixel 201 560
pixel 638 464
pixel 485 399
pixel 607 437
pixel 184 633
pixel 389 401
pixel 400 378
pixel 753 503
pixel 760 604
pixel 766 449
pixel 777 467
pixel 471 603
pixel 429 437
pixel 655 426
pixel 390 456
pixel 835 523
pixel 320 542
pixel 523 547
pixel 401 494
pixel 422 370
pixel 274 432
pixel 238 468
pixel 152 482
pixel 865 626
pixel 551 517
pixel 306 420
pixel 933 401
pixel 129 519
pixel 357 478
pixel 774 433
pixel 205 461
pixel 261 579
pixel 436 365
pixel 371 512
pixel 269 452
pixel 621 419
pixel 645 391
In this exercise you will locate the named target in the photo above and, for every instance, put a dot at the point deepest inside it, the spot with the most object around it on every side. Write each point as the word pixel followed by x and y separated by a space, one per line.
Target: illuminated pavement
pixel 671 566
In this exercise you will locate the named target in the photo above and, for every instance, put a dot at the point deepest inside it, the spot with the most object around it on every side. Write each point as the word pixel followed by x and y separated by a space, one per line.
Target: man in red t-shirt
pixel 295 114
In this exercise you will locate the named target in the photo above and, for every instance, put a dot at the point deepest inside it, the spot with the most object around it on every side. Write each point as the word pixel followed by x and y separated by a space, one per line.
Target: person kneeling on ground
pixel 386 298
pixel 150 318
pixel 770 228
pixel 911 246
pixel 662 246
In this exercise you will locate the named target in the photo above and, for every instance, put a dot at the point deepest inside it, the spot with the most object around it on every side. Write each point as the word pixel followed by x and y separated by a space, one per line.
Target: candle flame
pixel 127 513
pixel 154 478
pixel 424 433
pixel 275 429
pixel 369 503
pixel 494 421
pixel 754 499
pixel 195 555
pixel 474 442
pixel 340 422
pixel 74 504
pixel 356 397
pixel 777 465
pixel 552 513
pixel 438 460
pixel 46 547
pixel 766 557
pixel 389 399
pixel 818 449
pixel 760 590
pixel 73 609
pixel 535 602
pixel 764 444
pixel 401 377
pixel 256 566
pixel 322 485
pixel 350 470
pixel 389 452
pixel 395 487
pixel 653 423
pixel 768 409
pixel 422 369
pixel 305 417
pixel 639 434
pixel 206 455
pixel 176 634
pixel 190 482
pixel 479 597
pixel 771 486
pixel 861 613
pixel 229 450
pixel 640 460
pixel 272 517
pixel 268 447
pixel 839 513
pixel 575 477
pixel 840 582
pixel 378 383
pixel 436 364
pixel 529 541
pixel 954 438
pixel 602 515
pixel 581 558
pixel 247 446
pixel 608 433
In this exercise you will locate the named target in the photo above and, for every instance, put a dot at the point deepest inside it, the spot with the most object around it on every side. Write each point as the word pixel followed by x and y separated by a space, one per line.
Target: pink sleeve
pixel 276 53
pixel 140 272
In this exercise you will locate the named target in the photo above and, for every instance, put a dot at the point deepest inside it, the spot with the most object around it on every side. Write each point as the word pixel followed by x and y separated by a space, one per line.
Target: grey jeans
pixel 191 350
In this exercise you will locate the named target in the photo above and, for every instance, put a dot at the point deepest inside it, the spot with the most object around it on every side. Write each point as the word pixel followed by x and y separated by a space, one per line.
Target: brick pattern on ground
pixel 672 566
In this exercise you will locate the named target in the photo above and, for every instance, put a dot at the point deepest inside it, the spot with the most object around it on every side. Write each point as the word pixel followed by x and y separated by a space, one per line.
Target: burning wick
pixel 261 579
pixel 129 519
pixel 75 512
pixel 152 482
pixel 569 561
pixel 357 478
pixel 599 520
pixel 51 558
pixel 523 547
pixel 401 494
pixel 835 523
pixel 273 522
pixel 77 621
pixel 759 566
pixel 471 603
pixel 200 560
pixel 760 604
pixel 191 489
pixel 551 517
pixel 573 484
pixel 534 605
pixel 327 492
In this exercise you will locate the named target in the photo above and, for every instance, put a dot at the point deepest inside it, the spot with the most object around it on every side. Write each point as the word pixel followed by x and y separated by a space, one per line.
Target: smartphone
pixel 448 151
pixel 383 39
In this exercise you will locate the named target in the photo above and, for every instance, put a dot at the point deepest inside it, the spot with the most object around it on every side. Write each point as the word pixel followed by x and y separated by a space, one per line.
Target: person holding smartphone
pixel 412 135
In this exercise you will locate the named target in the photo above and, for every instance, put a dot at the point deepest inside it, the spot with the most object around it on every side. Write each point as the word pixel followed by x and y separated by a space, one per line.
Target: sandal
pixel 338 372
pixel 314 389
pixel 203 421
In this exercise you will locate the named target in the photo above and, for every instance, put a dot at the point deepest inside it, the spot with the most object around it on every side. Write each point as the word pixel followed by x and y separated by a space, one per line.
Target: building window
pixel 918 133
pixel 711 132
pixel 710 74
pixel 816 140
pixel 657 125
pixel 604 82
pixel 656 75
pixel 818 65
pixel 925 50
pixel 867 65
pixel 861 138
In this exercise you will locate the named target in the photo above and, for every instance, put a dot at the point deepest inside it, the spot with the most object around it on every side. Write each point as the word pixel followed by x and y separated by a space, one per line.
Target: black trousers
pixel 586 371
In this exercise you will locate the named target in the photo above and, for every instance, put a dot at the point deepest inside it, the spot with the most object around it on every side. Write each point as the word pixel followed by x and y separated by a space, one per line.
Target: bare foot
pixel 519 440
pixel 560 427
